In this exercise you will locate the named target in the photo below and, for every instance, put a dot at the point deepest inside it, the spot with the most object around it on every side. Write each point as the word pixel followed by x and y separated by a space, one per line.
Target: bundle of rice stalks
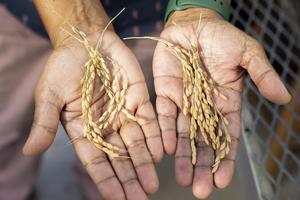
pixel 115 89
pixel 97 65
pixel 198 101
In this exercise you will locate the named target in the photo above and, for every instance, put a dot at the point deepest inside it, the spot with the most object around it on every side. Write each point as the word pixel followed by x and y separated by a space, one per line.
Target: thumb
pixel 263 74
pixel 45 123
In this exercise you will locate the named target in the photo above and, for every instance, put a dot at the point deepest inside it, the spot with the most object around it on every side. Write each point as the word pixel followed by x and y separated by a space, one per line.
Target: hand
pixel 58 98
pixel 227 52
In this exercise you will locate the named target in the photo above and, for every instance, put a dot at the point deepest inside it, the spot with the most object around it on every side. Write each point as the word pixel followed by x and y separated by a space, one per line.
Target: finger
pixel 145 116
pixel 167 74
pixel 224 174
pixel 96 163
pixel 167 112
pixel 147 120
pixel 183 164
pixel 203 177
pixel 263 74
pixel 125 172
pixel 134 140
pixel 45 123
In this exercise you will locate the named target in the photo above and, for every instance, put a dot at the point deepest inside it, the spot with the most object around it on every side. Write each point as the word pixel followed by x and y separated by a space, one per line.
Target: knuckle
pixel 104 180
pixel 183 134
pixel 259 46
pixel 138 143
pixel 129 181
pixel 95 162
pixel 144 122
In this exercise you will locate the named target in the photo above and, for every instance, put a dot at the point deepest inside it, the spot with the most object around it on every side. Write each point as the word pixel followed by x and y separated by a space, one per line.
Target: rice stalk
pixel 198 103
pixel 97 67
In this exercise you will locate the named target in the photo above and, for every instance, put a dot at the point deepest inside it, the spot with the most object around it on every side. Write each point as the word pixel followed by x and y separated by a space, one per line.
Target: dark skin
pixel 227 52
pixel 58 98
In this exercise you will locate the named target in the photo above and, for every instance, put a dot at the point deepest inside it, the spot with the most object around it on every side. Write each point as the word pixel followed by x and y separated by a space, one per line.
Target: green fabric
pixel 220 6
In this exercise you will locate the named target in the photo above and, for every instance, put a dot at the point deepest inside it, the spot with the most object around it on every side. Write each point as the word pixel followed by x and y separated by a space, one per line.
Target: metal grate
pixel 271 133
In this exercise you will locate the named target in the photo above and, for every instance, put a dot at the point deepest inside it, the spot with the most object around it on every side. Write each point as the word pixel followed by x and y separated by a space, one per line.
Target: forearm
pixel 191 14
pixel 187 11
pixel 87 15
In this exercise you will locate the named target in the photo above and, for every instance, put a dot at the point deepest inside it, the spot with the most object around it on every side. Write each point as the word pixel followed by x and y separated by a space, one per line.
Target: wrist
pixel 86 15
pixel 193 14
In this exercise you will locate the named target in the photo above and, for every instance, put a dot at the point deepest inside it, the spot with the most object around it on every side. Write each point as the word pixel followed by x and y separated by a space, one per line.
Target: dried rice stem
pixel 97 66
pixel 198 90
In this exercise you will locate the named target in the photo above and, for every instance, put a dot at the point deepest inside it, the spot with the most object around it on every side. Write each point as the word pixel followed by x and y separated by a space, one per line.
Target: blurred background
pixel 268 165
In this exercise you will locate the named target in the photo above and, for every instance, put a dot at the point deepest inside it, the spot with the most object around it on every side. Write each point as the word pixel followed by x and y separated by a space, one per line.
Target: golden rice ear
pixel 93 131
pixel 198 91
pixel 201 108
pixel 96 66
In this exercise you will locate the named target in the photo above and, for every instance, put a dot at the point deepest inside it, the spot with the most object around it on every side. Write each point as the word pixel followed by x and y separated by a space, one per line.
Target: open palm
pixel 227 53
pixel 58 98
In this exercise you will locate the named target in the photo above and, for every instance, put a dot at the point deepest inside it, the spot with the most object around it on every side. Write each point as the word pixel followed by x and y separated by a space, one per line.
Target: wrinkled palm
pixel 227 53
pixel 58 97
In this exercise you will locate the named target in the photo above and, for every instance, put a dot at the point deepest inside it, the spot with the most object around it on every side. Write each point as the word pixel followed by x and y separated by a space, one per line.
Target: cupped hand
pixel 227 53
pixel 58 98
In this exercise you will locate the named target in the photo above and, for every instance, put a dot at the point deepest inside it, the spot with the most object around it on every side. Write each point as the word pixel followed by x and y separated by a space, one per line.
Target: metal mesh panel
pixel 271 133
